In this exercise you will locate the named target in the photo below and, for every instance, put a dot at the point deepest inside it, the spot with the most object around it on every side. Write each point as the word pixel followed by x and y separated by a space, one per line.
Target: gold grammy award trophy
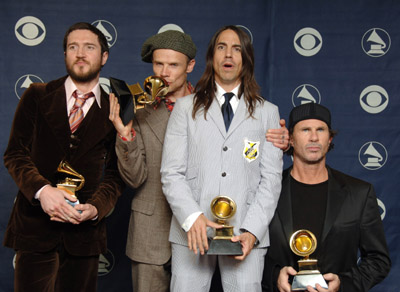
pixel 70 184
pixel 133 97
pixel 303 243
pixel 223 208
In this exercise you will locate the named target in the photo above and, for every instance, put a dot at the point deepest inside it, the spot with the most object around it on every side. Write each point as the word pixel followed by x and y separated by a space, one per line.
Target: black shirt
pixel 309 207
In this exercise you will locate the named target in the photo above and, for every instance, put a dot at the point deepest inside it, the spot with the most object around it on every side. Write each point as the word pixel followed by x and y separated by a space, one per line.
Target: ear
pixel 104 58
pixel 190 66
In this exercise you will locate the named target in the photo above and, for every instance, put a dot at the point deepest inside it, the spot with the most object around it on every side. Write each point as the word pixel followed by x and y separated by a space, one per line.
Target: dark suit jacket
pixel 352 225
pixel 40 138
pixel 139 164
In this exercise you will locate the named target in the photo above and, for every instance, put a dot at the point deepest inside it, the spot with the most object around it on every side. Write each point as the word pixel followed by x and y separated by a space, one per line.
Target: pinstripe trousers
pixel 193 273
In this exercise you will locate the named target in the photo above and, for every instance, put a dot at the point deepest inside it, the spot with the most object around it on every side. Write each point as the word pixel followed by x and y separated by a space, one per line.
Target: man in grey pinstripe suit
pixel 203 157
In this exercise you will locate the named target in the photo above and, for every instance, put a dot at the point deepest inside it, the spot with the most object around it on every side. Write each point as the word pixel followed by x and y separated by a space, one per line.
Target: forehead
pixel 229 37
pixel 82 35
pixel 168 55
pixel 312 123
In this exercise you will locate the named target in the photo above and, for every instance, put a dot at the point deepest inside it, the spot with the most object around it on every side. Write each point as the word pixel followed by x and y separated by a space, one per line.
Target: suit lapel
pixel 284 209
pixel 94 127
pixel 156 120
pixel 336 196
pixel 238 118
pixel 214 112
pixel 53 107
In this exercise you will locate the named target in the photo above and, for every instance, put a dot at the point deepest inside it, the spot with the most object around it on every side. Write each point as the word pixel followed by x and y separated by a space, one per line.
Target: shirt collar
pixel 70 87
pixel 219 94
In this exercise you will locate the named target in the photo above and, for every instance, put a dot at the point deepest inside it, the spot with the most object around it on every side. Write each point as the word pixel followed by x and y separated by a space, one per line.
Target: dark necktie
pixel 227 111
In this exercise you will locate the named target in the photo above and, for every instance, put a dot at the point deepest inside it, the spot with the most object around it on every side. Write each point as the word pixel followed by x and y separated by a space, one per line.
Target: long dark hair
pixel 205 88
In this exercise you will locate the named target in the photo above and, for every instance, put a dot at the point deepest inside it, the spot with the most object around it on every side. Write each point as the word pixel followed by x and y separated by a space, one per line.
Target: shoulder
pixel 265 105
pixel 42 91
pixel 184 103
pixel 348 181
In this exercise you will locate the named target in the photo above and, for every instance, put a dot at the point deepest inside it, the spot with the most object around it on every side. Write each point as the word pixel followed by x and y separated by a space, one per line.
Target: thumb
pixel 282 123
pixel 213 224
pixel 291 271
pixel 235 238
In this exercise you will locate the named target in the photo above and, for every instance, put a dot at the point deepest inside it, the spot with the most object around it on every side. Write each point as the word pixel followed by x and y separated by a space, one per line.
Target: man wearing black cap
pixel 139 151
pixel 340 210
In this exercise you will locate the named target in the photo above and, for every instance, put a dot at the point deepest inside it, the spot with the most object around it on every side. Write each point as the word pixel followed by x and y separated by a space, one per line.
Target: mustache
pixel 314 145
pixel 80 59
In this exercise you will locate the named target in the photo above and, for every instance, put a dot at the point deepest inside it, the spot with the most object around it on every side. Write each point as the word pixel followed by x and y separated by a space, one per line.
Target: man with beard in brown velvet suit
pixel 57 244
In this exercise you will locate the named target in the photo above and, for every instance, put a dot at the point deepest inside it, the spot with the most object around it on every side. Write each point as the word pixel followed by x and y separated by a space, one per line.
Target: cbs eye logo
pixel 30 31
pixel 307 41
pixel 374 99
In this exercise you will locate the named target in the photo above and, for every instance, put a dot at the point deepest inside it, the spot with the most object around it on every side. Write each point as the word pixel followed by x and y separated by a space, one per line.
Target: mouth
pixel 314 148
pixel 81 62
pixel 227 65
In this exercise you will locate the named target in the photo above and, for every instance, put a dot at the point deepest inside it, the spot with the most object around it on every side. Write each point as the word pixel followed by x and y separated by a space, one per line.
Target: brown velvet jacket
pixel 40 138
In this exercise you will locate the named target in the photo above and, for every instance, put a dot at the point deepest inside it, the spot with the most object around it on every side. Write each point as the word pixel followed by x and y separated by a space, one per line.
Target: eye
pixel 30 31
pixel 374 99
pixel 307 41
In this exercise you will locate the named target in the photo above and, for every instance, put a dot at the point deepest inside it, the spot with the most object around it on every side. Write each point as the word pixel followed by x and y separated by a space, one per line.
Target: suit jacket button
pixel 225 148
pixel 223 174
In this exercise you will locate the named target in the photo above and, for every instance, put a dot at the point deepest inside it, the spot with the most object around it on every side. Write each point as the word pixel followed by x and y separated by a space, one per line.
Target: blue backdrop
pixel 342 54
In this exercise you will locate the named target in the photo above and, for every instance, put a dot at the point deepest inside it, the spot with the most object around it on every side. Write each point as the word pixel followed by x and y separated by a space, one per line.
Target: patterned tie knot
pixel 80 100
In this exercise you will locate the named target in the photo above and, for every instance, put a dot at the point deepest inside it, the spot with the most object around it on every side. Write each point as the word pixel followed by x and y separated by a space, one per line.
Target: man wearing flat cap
pixel 340 210
pixel 139 150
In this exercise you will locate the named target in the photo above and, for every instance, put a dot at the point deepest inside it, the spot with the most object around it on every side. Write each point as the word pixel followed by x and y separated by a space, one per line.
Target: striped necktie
pixel 76 115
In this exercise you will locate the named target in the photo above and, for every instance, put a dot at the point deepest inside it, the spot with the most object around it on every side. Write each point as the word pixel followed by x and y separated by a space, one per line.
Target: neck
pixel 181 92
pixel 228 87
pixel 309 173
pixel 85 87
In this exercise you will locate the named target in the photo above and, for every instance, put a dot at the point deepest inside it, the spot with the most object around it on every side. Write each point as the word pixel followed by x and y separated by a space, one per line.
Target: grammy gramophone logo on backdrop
pixel 376 42
pixel 24 82
pixel 305 93
pixel 108 29
pixel 372 155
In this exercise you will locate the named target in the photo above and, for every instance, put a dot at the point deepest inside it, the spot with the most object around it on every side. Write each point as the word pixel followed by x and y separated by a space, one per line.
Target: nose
pixel 314 136
pixel 164 71
pixel 80 51
pixel 228 53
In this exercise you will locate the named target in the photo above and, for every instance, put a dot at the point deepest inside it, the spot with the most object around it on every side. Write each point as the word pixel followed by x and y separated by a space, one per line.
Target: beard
pixel 83 77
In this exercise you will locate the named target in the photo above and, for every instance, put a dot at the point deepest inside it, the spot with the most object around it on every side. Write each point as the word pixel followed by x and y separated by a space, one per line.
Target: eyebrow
pixel 225 44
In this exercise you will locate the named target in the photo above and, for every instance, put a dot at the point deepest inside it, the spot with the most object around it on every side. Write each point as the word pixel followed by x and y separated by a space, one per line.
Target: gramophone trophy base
pixel 224 247
pixel 301 281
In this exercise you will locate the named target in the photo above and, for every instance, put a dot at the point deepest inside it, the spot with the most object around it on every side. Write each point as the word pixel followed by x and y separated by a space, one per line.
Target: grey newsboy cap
pixel 170 39
pixel 309 111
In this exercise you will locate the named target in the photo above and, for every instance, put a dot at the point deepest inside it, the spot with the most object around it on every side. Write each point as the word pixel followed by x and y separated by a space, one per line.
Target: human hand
pixel 283 279
pixel 123 130
pixel 52 201
pixel 247 240
pixel 333 284
pixel 279 137
pixel 197 234
pixel 88 211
